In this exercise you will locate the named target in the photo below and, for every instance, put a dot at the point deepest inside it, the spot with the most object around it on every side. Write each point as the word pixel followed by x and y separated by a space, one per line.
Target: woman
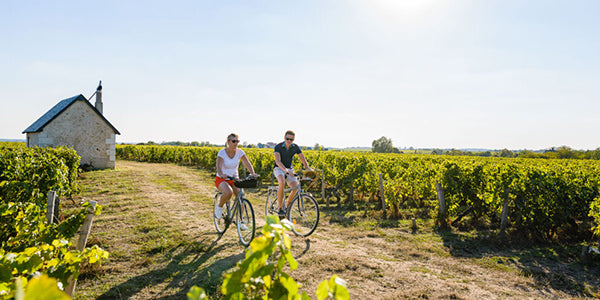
pixel 228 160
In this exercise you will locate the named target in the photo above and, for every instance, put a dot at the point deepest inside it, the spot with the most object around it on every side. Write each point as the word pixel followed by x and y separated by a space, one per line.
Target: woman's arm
pixel 248 165
pixel 220 167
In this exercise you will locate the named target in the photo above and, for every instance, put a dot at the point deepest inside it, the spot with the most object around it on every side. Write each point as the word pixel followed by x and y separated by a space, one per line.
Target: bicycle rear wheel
pixel 271 206
pixel 245 222
pixel 222 223
pixel 304 214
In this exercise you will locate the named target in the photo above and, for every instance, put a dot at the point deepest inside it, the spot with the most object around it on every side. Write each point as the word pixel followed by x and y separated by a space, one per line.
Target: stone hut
pixel 76 123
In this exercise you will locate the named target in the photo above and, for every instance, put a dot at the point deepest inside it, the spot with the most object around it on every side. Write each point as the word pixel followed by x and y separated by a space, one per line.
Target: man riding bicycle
pixel 284 155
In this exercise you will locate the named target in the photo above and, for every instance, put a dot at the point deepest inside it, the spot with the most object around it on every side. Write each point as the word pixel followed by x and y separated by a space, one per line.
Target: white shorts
pixel 291 178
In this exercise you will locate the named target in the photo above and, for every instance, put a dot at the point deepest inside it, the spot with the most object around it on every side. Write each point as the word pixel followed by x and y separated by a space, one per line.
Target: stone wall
pixel 82 129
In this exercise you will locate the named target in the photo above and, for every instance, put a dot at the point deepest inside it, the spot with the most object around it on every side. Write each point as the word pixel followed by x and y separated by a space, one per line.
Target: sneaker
pixel 243 226
pixel 281 213
pixel 218 212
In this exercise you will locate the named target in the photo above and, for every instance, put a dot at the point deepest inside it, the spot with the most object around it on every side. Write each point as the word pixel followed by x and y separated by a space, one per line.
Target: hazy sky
pixel 446 74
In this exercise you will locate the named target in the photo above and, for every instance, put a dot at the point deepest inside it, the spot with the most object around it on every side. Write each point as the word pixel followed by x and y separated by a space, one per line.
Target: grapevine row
pixel 546 197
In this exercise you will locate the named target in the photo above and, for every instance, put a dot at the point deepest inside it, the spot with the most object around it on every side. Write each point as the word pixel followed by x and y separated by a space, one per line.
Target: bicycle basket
pixel 312 175
pixel 246 183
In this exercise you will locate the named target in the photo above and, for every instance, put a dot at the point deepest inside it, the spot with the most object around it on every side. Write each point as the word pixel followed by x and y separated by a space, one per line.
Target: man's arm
pixel 303 160
pixel 279 163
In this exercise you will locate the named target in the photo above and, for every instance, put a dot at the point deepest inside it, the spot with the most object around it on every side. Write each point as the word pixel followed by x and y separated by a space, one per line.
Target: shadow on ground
pixel 554 266
pixel 186 268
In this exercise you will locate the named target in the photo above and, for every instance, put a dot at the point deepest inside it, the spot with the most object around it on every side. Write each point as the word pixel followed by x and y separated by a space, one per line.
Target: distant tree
pixel 195 144
pixel 382 145
pixel 486 154
pixel 506 153
pixel 527 154
pixel 437 151
pixel 566 152
pixel 454 152
pixel 317 147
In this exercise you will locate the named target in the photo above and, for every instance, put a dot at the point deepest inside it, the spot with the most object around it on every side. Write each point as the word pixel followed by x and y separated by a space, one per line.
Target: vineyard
pixel 29 244
pixel 548 199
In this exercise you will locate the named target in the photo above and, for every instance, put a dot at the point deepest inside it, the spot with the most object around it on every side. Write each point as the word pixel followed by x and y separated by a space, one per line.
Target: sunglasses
pixel 235 141
pixel 288 139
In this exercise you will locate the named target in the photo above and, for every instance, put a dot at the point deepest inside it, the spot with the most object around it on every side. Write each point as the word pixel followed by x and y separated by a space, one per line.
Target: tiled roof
pixel 39 125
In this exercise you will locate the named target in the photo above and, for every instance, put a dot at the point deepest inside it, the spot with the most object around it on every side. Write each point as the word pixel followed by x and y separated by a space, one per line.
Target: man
pixel 284 155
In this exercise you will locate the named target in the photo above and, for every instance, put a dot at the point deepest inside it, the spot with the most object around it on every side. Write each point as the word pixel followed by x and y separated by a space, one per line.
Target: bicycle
pixel 302 211
pixel 241 210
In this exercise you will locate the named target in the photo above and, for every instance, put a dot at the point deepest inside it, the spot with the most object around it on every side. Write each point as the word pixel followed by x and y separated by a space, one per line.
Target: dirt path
pixel 162 241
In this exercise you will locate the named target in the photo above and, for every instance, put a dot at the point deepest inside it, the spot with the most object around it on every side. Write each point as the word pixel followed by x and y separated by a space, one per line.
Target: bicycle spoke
pixel 245 222
pixel 304 214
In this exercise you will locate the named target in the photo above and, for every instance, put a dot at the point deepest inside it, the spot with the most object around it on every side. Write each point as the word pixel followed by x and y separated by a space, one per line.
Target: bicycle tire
pixel 245 216
pixel 271 206
pixel 221 224
pixel 304 213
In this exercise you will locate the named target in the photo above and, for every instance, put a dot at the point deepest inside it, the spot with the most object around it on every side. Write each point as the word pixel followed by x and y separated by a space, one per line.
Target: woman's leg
pixel 227 191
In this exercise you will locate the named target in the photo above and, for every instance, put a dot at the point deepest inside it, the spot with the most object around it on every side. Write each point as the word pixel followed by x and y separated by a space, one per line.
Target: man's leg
pixel 280 189
pixel 292 184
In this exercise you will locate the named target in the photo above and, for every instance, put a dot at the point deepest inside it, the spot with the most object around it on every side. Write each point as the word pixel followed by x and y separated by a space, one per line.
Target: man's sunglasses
pixel 289 139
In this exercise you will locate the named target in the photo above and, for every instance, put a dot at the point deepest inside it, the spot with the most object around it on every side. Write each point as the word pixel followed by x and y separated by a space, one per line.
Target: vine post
pixel 323 186
pixel 52 208
pixel 442 203
pixel 504 220
pixel 83 236
pixel 382 195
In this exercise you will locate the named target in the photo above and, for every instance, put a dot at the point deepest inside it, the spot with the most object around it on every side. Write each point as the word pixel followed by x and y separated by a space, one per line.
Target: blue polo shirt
pixel 287 155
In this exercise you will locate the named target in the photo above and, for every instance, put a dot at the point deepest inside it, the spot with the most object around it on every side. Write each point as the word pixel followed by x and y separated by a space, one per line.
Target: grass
pixel 156 224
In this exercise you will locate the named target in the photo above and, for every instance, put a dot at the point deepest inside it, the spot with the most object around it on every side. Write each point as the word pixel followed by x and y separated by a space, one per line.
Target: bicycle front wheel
pixel 245 222
pixel 304 214
pixel 222 223
pixel 271 206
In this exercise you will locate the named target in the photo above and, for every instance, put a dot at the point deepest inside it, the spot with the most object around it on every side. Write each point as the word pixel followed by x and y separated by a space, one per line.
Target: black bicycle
pixel 240 212
pixel 302 211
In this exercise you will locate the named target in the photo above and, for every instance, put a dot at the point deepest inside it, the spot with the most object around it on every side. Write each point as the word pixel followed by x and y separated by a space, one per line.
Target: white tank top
pixel 230 165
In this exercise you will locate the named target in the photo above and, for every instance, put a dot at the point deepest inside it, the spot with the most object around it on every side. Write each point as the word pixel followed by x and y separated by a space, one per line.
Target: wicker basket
pixel 247 183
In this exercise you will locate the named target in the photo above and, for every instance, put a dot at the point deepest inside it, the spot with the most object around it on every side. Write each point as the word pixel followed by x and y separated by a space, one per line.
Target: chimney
pixel 99 97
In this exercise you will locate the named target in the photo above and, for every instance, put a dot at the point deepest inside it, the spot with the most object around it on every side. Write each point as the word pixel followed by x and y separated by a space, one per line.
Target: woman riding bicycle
pixel 228 160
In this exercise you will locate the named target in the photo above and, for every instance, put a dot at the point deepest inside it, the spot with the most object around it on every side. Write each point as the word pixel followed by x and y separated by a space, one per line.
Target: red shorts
pixel 218 181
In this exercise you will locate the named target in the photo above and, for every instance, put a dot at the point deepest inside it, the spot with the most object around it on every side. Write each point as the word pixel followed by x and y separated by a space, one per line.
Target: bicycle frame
pixel 234 208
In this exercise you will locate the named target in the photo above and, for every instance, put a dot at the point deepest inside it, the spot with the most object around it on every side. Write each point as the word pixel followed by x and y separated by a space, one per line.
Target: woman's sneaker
pixel 281 213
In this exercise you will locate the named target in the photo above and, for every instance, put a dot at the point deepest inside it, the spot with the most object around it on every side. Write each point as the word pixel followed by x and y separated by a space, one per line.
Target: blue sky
pixel 439 74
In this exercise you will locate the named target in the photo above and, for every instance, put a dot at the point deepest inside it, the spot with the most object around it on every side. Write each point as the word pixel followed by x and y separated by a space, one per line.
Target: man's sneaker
pixel 218 212
pixel 243 226
pixel 281 213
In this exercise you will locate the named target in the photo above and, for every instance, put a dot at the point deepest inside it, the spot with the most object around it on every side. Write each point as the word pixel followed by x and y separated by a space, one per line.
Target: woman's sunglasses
pixel 235 141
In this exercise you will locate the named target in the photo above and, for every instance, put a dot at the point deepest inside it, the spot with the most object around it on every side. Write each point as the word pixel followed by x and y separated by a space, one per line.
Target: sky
pixel 488 74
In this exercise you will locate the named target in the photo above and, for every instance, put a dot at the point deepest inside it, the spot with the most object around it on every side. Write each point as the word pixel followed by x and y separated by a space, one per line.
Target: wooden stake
pixel 50 207
pixel 323 186
pixel 442 203
pixel 83 236
pixel 382 195
pixel 504 220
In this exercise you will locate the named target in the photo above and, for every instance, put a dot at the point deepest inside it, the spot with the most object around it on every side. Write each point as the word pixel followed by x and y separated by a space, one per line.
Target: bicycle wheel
pixel 304 214
pixel 271 206
pixel 245 222
pixel 222 223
